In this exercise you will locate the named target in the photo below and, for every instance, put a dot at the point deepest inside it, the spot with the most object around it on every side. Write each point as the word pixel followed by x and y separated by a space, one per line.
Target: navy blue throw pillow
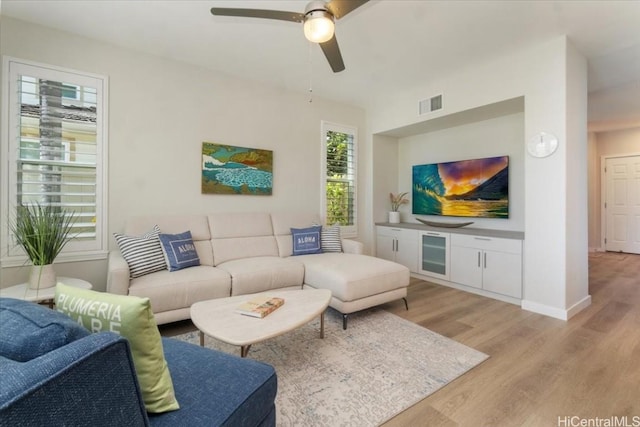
pixel 306 240
pixel 179 250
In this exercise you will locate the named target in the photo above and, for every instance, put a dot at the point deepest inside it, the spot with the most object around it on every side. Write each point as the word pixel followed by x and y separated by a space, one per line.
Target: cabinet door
pixel 434 254
pixel 466 266
pixel 502 273
pixel 407 249
pixel 385 247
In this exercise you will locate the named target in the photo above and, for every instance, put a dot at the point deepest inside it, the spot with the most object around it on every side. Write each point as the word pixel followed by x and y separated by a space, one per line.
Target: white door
pixel 622 180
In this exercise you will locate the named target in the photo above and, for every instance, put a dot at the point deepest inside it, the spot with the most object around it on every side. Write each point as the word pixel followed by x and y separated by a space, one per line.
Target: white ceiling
pixel 386 44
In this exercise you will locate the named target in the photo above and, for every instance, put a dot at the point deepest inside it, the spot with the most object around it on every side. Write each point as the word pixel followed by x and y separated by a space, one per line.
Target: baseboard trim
pixel 482 292
pixel 579 306
pixel 555 312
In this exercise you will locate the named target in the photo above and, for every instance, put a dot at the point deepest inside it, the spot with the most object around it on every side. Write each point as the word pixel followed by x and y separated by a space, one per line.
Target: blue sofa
pixel 54 372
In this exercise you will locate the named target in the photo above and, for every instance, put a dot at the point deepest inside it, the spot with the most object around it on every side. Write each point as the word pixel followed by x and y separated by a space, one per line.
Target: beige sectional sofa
pixel 244 253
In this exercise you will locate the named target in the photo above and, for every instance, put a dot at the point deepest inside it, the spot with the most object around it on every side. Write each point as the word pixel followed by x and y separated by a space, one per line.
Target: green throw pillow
pixel 132 318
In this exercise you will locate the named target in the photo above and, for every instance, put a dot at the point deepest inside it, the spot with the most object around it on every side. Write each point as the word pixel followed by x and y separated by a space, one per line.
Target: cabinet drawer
pixel 390 231
pixel 487 243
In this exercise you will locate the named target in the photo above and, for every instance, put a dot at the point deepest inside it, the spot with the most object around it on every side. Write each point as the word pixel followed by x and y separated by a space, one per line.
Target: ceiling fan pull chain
pixel 310 75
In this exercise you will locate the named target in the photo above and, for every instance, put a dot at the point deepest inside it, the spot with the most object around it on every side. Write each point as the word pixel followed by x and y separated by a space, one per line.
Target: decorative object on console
pixel 477 188
pixel 132 318
pixel 42 231
pixel 542 145
pixel 236 170
pixel 396 201
pixel 306 240
pixel 260 306
pixel 179 251
pixel 444 224
pixel 143 254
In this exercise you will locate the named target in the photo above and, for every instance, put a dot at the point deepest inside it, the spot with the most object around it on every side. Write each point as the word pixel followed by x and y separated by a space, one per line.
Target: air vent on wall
pixel 430 104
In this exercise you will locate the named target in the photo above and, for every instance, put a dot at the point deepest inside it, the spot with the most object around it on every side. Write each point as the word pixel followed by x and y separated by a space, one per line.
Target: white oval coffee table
pixel 217 317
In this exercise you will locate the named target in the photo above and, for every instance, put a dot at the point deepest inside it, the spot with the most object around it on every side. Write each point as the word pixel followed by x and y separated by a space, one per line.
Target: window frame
pixel 77 250
pixel 349 231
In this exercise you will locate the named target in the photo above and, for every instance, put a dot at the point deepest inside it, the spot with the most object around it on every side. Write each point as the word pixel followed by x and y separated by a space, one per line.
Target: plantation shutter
pixel 56 141
pixel 340 173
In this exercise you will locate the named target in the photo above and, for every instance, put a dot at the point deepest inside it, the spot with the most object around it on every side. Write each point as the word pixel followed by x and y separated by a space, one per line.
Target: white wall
pixel 552 78
pixel 577 232
pixel 160 113
pixel 500 136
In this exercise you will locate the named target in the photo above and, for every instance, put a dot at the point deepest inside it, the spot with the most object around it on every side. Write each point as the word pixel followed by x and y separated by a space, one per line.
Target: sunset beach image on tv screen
pixel 476 188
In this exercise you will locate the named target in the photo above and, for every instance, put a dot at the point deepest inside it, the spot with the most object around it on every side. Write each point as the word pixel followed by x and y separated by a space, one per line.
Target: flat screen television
pixel 477 188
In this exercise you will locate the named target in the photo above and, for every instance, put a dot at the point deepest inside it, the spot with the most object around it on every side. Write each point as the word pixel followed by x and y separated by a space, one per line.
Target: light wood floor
pixel 540 368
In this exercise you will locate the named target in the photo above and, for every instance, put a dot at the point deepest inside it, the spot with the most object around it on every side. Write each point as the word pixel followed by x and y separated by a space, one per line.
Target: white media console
pixel 483 261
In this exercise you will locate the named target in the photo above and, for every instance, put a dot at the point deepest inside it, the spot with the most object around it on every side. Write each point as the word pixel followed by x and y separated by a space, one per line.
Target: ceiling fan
pixel 319 23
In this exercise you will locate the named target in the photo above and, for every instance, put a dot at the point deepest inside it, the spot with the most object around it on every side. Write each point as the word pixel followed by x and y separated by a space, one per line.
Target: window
pixel 339 173
pixel 54 149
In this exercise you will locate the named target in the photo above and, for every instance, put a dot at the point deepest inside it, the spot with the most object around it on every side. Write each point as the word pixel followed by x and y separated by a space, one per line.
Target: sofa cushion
pixel 179 289
pixel 283 222
pixel 306 241
pixel 143 254
pixel 198 225
pixel 217 389
pixel 179 251
pixel 252 275
pixel 132 318
pixel 241 235
pixel 330 239
pixel 350 277
pixel 29 330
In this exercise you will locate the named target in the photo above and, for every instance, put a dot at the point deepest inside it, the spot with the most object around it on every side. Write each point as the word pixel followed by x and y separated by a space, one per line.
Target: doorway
pixel 621 209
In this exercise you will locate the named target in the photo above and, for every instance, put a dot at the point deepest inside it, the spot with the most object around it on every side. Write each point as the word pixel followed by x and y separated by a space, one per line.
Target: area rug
pixel 381 365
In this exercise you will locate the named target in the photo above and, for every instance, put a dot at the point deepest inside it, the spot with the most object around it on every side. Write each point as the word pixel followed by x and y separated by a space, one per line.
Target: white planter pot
pixel 394 217
pixel 42 276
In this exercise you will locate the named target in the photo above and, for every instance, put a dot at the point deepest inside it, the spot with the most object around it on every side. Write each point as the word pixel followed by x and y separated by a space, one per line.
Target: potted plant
pixel 42 231
pixel 396 201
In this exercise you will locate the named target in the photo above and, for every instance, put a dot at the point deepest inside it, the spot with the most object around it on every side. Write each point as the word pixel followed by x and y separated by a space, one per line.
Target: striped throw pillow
pixel 143 254
pixel 330 239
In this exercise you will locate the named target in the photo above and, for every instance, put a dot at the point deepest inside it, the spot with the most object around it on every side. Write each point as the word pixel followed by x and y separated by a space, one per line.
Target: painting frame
pixel 235 170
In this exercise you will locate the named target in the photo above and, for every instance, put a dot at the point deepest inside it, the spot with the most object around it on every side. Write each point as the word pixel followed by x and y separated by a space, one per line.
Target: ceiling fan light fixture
pixel 318 26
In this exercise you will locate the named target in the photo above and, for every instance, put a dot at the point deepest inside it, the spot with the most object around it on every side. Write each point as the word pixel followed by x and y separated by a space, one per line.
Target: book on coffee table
pixel 260 306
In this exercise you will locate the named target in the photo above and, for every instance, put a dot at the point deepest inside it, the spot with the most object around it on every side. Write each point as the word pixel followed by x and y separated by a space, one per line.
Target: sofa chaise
pixel 55 372
pixel 244 253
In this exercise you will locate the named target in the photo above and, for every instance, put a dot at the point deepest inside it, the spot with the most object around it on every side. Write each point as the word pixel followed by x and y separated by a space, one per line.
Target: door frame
pixel 603 193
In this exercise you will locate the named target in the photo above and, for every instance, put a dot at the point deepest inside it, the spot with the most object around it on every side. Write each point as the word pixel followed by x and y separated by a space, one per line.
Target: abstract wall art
pixel 236 170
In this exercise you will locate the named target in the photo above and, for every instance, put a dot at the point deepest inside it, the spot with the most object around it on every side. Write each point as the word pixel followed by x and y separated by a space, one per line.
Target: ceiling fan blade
pixel 332 52
pixel 258 13
pixel 339 8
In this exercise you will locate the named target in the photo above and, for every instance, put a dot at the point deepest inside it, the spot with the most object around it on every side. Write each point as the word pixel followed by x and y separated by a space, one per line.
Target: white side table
pixel 23 292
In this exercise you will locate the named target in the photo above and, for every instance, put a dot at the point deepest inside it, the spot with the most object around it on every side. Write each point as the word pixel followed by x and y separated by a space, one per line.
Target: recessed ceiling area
pixel 387 45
